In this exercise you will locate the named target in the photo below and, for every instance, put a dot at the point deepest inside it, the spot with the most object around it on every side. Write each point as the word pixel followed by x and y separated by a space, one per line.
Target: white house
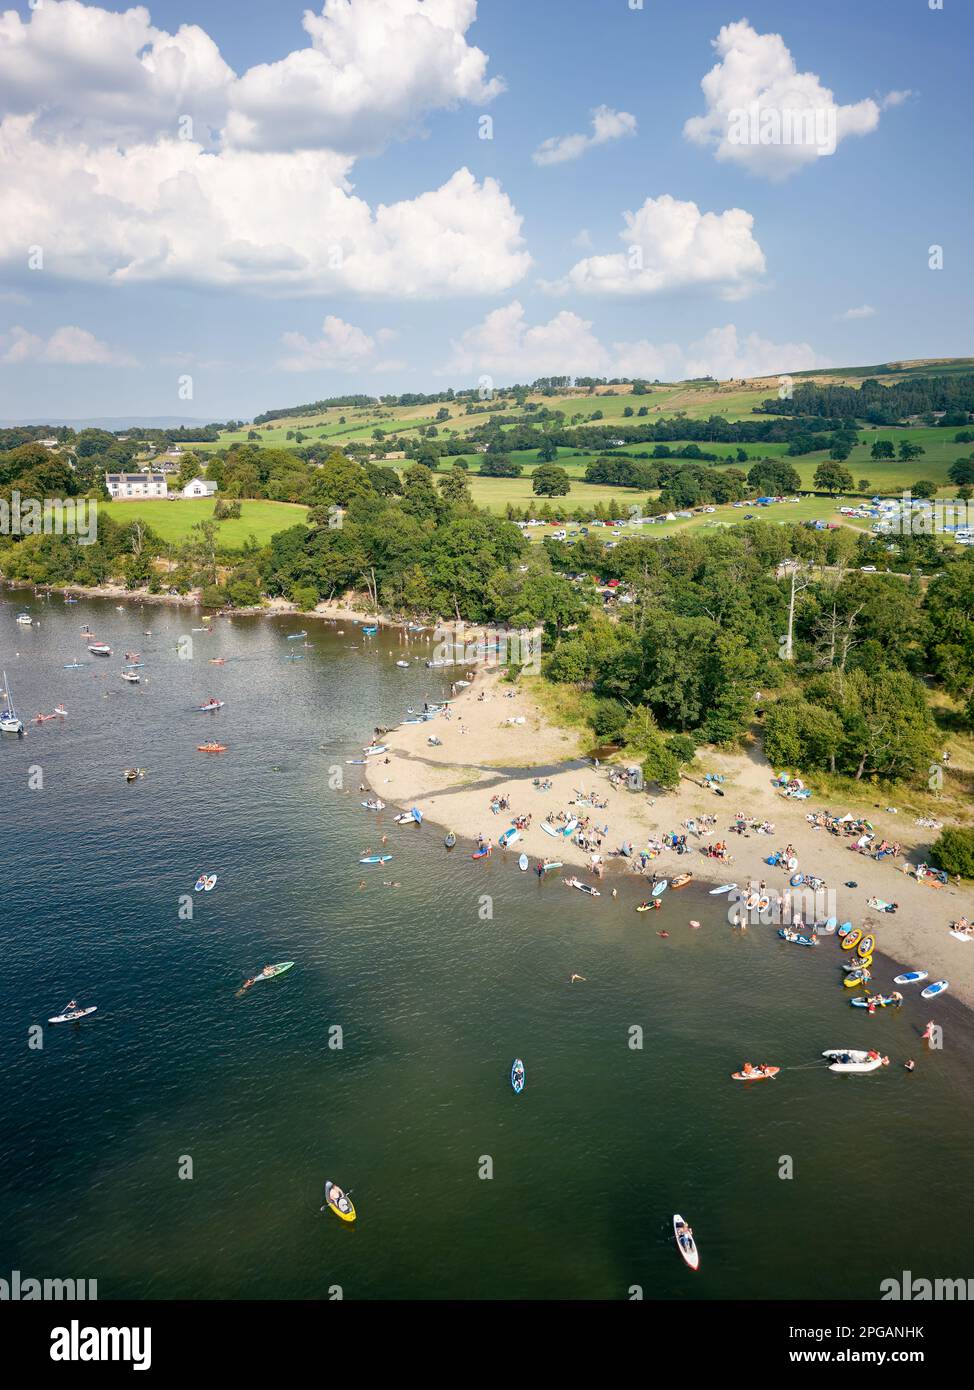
pixel 199 487
pixel 126 486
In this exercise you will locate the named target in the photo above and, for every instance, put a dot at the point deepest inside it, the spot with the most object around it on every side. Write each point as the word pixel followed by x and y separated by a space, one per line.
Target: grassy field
pixel 495 494
pixel 173 521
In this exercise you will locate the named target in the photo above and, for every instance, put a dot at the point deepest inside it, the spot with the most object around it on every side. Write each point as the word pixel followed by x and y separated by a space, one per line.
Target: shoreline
pixel 484 753
pixel 328 610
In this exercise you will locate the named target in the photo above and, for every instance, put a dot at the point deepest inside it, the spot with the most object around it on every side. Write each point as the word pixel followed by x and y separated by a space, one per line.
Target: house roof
pixel 135 477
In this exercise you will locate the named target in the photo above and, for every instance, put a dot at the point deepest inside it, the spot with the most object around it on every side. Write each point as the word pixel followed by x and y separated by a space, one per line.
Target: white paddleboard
pixel 690 1253
pixel 913 977
pixel 724 888
pixel 549 829
pixel 522 863
pixel 659 888
pixel 931 991
pixel 74 1015
pixel 960 936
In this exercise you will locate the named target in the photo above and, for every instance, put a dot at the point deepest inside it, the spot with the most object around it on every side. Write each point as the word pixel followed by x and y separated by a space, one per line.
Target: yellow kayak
pixel 338 1202
pixel 852 940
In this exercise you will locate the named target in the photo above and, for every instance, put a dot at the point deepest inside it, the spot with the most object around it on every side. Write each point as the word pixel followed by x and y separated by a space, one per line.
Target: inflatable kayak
pixel 865 946
pixel 450 840
pixel 912 977
pixel 517 1075
pixel 74 1015
pixel 338 1202
pixel 481 853
pixel 685 1242
pixel 756 1074
pixel 522 863
pixel 879 1001
pixel 851 939
pixel 856 978
pixel 375 859
pixel 933 990
pixel 796 938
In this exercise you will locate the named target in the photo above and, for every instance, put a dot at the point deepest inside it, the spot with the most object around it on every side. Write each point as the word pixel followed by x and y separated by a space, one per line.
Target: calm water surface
pixel 433 999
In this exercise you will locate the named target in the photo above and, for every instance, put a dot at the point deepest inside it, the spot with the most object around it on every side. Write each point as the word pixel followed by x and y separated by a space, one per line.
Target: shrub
pixel 954 852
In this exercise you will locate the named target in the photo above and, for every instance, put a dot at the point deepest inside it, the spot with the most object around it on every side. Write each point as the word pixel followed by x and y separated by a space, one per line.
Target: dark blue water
pixel 433 997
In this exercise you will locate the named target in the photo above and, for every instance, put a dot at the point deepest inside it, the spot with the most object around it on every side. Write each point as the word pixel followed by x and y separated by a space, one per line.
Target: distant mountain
pixel 111 422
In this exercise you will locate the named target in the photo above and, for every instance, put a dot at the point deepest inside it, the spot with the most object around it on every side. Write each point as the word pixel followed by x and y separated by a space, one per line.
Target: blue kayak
pixel 517 1075
pixel 376 859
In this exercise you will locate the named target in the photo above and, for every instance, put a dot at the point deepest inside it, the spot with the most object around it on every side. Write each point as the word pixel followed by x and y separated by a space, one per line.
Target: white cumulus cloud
pixel 370 74
pixel 506 346
pixel 172 211
pixel 672 245
pixel 128 153
pixel 865 311
pixel 66 346
pixel 340 347
pixel 765 115
pixel 606 125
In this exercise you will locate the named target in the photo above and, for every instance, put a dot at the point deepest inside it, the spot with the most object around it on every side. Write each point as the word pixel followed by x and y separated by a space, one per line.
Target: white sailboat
pixel 10 720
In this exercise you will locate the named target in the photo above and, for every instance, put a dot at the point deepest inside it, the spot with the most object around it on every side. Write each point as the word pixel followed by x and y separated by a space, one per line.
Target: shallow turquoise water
pixel 433 1001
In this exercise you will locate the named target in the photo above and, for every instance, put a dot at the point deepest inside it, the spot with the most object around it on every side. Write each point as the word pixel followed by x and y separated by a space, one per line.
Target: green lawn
pixel 172 521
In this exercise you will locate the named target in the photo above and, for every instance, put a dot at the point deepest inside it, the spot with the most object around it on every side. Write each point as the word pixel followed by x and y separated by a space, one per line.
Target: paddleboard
pixel 522 863
pixel 200 884
pixel 555 864
pixel 73 1016
pixel 659 888
pixel 549 829
pixel 724 888
pixel 517 1075
pixel 912 977
pixel 960 936
pixel 275 970
pixel 687 1246
pixel 933 990
pixel 210 883
pixel 480 854
pixel 376 859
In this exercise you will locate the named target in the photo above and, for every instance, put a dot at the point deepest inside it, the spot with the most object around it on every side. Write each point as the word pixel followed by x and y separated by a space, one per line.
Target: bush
pixel 609 720
pixel 954 852
pixel 305 596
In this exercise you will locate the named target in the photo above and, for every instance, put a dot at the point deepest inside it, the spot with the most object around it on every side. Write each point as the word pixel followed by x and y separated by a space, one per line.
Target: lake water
pixel 434 998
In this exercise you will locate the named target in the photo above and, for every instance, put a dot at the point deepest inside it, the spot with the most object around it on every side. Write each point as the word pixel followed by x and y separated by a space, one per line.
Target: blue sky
pixel 252 262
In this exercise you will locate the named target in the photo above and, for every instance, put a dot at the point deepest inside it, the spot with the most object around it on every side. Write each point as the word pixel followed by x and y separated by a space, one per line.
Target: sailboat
pixel 10 720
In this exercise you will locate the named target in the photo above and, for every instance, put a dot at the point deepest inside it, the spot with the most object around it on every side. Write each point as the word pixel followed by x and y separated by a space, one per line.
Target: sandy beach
pixel 495 741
